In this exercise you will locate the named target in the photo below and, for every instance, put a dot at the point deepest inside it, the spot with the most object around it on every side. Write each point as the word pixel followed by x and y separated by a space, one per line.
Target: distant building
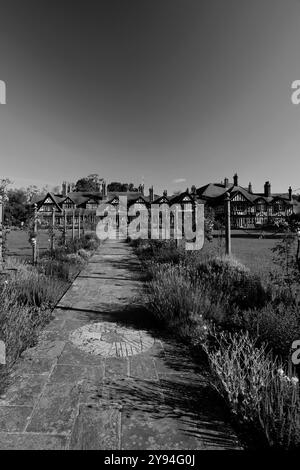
pixel 84 205
pixel 249 209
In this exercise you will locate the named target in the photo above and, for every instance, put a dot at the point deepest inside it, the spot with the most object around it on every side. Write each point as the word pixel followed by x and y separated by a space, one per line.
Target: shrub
pixel 74 258
pixel 276 325
pixel 19 327
pixel 233 282
pixel 279 413
pixel 171 295
pixel 29 295
pixel 161 251
pixel 26 302
pixel 176 301
pixel 60 269
pixel 89 242
pixel 33 290
pixel 257 388
pixel 84 254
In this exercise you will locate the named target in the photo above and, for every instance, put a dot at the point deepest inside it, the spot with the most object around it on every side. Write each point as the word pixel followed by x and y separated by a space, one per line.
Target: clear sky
pixel 160 90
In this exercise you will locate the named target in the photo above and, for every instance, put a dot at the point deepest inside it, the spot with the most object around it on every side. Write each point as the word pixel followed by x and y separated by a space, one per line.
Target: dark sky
pixel 160 90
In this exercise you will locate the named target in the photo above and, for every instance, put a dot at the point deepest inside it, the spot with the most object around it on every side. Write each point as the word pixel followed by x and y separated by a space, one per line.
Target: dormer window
pixel 261 206
pixel 278 207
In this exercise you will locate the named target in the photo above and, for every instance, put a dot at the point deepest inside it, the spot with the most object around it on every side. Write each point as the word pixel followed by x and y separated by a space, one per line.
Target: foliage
pixel 116 186
pixel 4 183
pixel 287 258
pixel 28 297
pixel 276 324
pixel 219 305
pixel 17 209
pixel 257 388
pixel 88 242
pixel 26 301
pixel 90 183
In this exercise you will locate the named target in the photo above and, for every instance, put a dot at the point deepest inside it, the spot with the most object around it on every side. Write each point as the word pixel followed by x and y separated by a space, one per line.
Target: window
pixel 46 208
pixel 239 206
pixel 68 205
pixel 261 207
pixel 277 207
pixel 91 206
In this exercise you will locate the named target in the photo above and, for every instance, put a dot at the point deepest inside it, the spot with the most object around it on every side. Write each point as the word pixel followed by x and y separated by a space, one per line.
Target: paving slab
pixel 28 441
pixel 97 427
pixel 14 418
pixel 103 375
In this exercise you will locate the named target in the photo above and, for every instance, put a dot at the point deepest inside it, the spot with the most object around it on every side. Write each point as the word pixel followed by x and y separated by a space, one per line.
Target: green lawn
pixel 18 244
pixel 255 253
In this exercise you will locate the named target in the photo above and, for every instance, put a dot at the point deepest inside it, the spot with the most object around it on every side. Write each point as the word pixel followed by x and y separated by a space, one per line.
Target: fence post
pixel 65 228
pixel 73 224
pixel 78 223
pixel 33 241
pixel 83 222
pixel 298 250
pixel 1 232
pixel 52 233
pixel 227 225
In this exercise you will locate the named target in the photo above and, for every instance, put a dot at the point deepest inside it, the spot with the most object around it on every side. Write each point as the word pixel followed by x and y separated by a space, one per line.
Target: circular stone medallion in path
pixel 110 340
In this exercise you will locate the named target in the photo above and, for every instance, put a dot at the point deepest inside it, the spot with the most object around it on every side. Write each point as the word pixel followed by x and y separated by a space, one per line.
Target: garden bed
pixel 246 327
pixel 29 295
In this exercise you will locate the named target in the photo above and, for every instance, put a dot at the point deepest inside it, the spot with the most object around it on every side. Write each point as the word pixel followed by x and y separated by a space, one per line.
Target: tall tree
pixel 90 183
pixel 17 208
pixel 32 193
pixel 4 183
pixel 116 186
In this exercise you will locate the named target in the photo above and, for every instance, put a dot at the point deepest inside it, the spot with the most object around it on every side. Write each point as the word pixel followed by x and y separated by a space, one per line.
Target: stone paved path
pixel 102 376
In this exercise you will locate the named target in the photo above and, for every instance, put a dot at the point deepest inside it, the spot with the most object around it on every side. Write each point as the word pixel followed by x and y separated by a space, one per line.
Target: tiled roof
pixel 296 206
pixel 57 199
pixel 212 190
pixel 216 193
pixel 80 197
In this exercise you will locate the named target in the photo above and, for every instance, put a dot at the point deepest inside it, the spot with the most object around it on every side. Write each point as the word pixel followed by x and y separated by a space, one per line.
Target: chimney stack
pixel 141 189
pixel 267 189
pixel 165 193
pixel 104 190
pixel 151 194
pixel 64 188
pixel 235 179
pixel 226 182
pixel 250 188
pixel 290 193
pixel 193 190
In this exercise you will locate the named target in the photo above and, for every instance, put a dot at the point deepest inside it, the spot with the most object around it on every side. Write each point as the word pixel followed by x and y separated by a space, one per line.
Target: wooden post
pixel 53 233
pixel 227 225
pixel 35 229
pixel 1 232
pixel 65 228
pixel 83 223
pixel 33 241
pixel 78 223
pixel 298 249
pixel 34 256
pixel 73 224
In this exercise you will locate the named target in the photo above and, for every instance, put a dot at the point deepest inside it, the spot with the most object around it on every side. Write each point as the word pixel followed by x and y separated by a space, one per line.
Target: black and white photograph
pixel 150 228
